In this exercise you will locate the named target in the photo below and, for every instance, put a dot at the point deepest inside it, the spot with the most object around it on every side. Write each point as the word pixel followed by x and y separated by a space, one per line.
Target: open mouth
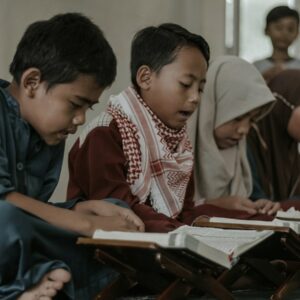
pixel 68 131
pixel 63 134
pixel 185 114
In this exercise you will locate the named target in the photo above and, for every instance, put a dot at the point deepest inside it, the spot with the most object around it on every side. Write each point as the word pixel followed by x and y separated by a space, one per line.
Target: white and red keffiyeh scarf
pixel 160 159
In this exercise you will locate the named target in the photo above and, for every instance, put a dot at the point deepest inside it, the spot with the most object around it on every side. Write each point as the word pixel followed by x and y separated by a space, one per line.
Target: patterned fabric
pixel 159 159
pixel 130 140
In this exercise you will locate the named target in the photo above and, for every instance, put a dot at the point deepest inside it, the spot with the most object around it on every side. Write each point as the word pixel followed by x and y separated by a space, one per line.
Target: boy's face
pixel 230 133
pixel 57 112
pixel 174 92
pixel 283 32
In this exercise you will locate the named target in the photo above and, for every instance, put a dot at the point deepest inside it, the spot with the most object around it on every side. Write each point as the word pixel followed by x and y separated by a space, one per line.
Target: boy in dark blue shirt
pixel 60 69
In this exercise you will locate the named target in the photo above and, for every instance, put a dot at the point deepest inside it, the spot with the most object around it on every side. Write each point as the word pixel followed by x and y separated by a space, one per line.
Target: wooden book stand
pixel 168 273
pixel 176 273
pixel 276 260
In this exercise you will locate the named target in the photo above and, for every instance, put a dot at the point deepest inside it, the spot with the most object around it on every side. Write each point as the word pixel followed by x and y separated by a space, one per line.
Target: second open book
pixel 282 221
pixel 221 246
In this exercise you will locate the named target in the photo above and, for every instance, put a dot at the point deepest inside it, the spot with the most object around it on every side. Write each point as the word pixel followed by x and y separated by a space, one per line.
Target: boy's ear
pixel 30 81
pixel 143 77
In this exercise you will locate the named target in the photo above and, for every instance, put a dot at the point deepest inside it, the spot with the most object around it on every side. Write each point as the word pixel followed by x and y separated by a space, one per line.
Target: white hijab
pixel 234 87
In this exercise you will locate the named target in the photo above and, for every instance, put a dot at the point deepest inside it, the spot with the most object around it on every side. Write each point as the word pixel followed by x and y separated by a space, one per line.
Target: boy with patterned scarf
pixel 138 150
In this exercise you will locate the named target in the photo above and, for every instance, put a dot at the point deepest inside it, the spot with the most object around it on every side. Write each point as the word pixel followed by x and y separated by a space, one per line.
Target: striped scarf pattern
pixel 159 158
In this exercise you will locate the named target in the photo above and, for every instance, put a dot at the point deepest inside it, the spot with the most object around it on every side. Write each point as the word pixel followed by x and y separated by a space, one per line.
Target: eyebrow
pixel 203 80
pixel 86 100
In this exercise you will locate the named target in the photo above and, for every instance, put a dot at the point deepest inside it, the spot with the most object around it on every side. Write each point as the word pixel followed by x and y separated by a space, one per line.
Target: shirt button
pixel 20 166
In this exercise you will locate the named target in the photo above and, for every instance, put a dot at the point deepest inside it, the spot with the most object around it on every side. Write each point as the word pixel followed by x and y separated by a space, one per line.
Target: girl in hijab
pixel 235 96
pixel 273 143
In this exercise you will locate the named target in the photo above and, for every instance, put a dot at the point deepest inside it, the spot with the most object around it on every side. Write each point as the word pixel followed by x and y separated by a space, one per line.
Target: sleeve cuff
pixel 68 204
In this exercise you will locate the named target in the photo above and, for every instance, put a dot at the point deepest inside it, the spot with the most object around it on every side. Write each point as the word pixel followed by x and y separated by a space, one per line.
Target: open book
pixel 283 219
pixel 217 245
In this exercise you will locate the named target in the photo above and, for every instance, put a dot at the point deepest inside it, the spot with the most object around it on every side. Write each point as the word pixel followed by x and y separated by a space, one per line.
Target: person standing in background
pixel 282 27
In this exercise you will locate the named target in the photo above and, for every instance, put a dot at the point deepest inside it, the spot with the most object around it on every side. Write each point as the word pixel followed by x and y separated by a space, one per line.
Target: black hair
pixel 64 47
pixel 158 46
pixel 280 12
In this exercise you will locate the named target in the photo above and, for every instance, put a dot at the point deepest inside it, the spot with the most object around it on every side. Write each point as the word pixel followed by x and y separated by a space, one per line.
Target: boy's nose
pixel 194 97
pixel 79 119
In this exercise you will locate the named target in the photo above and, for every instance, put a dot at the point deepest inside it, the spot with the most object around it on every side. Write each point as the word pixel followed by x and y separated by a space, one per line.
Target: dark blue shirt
pixel 27 164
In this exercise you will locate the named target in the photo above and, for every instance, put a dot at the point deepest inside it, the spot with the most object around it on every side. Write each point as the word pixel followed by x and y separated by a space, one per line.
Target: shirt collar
pixel 13 104
pixel 10 100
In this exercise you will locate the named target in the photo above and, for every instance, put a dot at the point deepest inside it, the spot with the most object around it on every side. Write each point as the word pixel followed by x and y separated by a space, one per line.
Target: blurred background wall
pixel 230 26
pixel 119 19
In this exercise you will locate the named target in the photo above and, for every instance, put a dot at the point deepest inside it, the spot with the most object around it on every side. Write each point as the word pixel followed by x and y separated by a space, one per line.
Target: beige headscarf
pixel 234 87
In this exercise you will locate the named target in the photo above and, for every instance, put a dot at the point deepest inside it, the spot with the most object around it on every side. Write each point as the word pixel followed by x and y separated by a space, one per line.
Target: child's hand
pixel 111 223
pixel 265 206
pixel 106 209
pixel 236 203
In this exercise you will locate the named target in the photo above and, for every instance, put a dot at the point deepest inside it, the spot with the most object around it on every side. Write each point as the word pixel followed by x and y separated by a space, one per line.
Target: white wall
pixel 119 19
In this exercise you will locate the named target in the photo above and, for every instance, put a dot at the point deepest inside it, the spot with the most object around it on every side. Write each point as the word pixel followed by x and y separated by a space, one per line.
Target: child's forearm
pixel 63 218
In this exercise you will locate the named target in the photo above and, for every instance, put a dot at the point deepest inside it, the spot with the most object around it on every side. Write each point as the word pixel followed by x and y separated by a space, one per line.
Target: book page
pixel 291 223
pixel 291 213
pixel 242 221
pixel 230 241
pixel 161 239
pixel 217 245
pixel 284 221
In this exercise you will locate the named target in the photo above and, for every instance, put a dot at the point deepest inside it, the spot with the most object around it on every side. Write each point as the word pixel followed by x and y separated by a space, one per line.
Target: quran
pixel 221 246
pixel 283 220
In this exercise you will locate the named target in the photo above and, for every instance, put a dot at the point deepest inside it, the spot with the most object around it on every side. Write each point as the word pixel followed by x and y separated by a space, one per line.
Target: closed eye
pixel 75 105
pixel 185 85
